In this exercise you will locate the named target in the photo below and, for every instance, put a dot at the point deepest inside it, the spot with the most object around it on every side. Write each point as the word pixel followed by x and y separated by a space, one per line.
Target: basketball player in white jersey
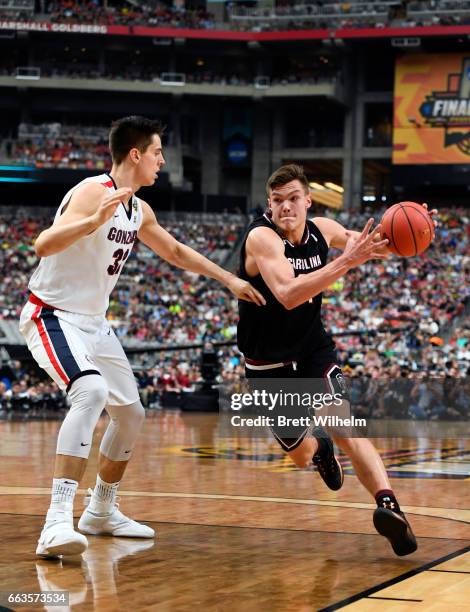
pixel 64 324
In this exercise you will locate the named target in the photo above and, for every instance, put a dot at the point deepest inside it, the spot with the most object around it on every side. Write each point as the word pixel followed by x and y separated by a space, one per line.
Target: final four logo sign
pixel 450 109
pixel 431 120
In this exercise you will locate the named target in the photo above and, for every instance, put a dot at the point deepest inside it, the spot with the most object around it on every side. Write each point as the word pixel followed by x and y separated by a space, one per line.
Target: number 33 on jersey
pixel 81 278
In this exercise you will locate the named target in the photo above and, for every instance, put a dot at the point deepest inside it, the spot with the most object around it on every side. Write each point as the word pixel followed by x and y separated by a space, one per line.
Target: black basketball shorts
pixel 322 365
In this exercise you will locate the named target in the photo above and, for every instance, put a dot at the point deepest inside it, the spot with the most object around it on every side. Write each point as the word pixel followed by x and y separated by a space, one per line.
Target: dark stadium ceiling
pixel 375 171
pixel 322 170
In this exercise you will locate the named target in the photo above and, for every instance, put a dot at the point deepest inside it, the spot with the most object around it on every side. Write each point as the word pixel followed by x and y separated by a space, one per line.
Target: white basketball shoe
pixel 115 524
pixel 58 536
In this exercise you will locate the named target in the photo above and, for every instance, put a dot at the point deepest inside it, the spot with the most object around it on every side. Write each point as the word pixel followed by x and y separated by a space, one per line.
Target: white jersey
pixel 80 278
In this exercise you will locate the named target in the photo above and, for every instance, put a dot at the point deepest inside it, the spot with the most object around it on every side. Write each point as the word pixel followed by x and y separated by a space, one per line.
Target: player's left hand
pixel 243 290
pixel 432 214
pixel 383 251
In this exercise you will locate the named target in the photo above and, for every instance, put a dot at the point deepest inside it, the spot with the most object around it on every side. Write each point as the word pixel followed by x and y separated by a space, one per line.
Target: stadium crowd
pixel 390 319
pixel 75 148
pixel 114 12
pixel 329 14
pixel 153 301
pixel 285 15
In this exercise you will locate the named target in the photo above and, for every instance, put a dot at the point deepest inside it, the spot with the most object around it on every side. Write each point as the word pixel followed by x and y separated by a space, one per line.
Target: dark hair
pixel 286 174
pixel 130 132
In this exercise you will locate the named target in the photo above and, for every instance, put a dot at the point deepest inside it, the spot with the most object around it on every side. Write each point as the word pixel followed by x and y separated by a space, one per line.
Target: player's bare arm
pixel 334 233
pixel 265 255
pixel 337 236
pixel 89 207
pixel 153 235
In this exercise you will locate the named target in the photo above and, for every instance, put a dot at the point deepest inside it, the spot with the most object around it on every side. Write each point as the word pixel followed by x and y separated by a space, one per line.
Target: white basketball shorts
pixel 68 345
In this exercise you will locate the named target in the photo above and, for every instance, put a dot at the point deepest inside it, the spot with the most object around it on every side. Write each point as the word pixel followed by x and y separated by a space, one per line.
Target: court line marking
pixel 449 571
pixel 453 514
pixel 392 598
pixel 232 526
pixel 419 570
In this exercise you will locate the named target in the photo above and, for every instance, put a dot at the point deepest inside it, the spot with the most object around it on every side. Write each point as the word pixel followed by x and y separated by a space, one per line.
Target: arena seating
pixel 286 15
pixel 111 12
pixel 399 315
pixel 59 146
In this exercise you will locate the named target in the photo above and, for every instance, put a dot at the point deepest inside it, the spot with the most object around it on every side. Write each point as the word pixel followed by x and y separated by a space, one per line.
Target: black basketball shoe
pixel 327 465
pixel 394 526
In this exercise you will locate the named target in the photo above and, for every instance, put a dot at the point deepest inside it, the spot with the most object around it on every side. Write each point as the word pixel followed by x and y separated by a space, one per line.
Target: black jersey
pixel 272 333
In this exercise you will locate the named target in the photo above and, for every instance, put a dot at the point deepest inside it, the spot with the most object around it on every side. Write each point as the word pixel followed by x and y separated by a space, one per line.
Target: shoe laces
pixel 122 518
pixel 325 464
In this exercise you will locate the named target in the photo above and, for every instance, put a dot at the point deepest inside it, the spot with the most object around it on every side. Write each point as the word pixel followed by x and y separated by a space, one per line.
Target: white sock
pixel 103 498
pixel 62 496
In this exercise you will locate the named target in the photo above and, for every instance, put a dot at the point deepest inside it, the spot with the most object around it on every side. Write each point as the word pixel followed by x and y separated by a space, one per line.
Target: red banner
pixel 168 32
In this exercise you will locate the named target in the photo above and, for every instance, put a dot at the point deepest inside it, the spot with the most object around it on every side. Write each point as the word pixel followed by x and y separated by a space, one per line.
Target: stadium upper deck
pixel 266 21
pixel 271 93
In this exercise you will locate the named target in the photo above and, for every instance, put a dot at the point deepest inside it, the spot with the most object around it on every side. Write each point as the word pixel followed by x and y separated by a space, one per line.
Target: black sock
pixel 386 499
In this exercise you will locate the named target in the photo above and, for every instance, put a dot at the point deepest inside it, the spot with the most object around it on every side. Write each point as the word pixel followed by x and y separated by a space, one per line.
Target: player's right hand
pixel 109 204
pixel 366 246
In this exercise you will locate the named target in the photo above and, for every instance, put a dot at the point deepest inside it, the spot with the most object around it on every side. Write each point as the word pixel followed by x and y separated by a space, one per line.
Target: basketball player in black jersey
pixel 284 256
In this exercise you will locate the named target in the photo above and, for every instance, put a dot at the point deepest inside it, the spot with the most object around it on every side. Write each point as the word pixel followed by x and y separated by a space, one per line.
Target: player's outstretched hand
pixel 432 213
pixel 243 290
pixel 109 204
pixel 366 246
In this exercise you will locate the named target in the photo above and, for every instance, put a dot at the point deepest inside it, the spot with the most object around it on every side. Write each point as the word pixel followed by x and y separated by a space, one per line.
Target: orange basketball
pixel 408 227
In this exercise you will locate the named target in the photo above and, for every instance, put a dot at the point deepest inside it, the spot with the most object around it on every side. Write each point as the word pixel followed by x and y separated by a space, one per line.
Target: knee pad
pixel 121 435
pixel 88 396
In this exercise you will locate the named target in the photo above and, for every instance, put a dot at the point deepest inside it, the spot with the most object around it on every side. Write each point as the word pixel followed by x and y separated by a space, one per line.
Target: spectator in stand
pixel 314 14
pixel 410 303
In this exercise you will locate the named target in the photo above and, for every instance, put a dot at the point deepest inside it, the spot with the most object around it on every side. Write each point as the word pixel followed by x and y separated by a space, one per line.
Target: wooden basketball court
pixel 240 528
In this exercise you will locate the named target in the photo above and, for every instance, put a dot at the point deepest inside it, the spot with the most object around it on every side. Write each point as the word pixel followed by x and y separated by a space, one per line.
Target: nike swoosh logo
pixel 116 216
pixel 81 444
pixel 125 452
pixel 68 482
